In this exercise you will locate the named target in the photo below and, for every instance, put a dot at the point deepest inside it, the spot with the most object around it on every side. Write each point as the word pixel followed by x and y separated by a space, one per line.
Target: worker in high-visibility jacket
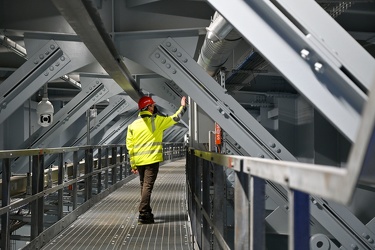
pixel 144 143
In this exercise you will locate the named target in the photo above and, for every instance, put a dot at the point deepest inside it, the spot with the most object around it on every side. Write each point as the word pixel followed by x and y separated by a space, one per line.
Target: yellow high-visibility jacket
pixel 145 136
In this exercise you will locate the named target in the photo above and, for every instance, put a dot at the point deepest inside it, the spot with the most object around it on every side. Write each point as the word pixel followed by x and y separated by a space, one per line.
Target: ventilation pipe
pixel 220 40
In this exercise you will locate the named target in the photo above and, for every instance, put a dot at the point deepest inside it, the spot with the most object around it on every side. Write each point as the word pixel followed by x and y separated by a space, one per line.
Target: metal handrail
pixel 251 176
pixel 85 183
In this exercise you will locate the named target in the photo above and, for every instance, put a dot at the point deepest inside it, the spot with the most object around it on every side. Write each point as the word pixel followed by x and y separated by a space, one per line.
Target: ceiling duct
pixel 220 40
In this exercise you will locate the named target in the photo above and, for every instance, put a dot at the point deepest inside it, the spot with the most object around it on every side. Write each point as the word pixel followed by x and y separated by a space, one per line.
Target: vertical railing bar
pixel 40 200
pixel 194 190
pixel 75 175
pixel 86 196
pixel 219 203
pixel 241 210
pixel 34 203
pixel 190 195
pixel 299 220
pixel 113 163
pixel 5 231
pixel 198 189
pixel 106 165
pixel 207 236
pixel 121 162
pixel 257 213
pixel 99 184
pixel 90 170
pixel 60 177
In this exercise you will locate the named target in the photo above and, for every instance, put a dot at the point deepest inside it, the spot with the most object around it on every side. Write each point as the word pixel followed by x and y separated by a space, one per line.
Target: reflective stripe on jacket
pixel 145 136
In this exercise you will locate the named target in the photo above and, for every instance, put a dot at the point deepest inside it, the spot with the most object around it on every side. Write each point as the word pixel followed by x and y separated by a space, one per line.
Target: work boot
pixel 145 218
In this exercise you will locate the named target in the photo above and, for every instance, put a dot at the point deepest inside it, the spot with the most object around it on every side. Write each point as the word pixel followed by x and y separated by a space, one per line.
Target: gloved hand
pixel 134 170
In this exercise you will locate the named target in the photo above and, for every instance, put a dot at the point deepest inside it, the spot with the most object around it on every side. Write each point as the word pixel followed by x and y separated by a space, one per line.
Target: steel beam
pixel 214 100
pixel 243 128
pixel 64 118
pixel 30 77
pixel 302 45
pixel 117 129
pixel 84 18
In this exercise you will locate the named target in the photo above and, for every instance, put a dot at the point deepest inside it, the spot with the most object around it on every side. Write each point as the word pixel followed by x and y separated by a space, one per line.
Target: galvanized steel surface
pixel 112 223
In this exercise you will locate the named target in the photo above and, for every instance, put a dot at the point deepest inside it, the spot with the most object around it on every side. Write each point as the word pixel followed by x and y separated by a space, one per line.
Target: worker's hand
pixel 134 171
pixel 183 101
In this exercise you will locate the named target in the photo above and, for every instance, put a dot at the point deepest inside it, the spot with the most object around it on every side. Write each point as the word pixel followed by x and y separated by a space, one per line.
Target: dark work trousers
pixel 147 177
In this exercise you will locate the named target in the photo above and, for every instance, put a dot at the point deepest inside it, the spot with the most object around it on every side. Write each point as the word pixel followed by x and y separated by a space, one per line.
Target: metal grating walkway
pixel 112 223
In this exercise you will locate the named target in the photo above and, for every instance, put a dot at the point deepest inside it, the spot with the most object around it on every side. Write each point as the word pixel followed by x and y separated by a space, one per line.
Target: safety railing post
pixel 106 170
pixel 219 206
pixel 99 184
pixel 206 205
pixel 299 220
pixel 60 176
pixel 193 188
pixel 121 162
pixel 88 170
pixel 5 201
pixel 241 210
pixel 37 206
pixel 114 166
pixel 127 165
pixel 198 193
pixel 257 213
pixel 75 175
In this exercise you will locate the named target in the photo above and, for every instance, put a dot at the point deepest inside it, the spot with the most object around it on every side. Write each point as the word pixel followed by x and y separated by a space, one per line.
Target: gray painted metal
pixel 30 77
pixel 64 118
pixel 116 106
pixel 167 92
pixel 213 99
pixel 241 211
pixel 338 73
pixel 85 20
pixel 171 58
pixel 117 129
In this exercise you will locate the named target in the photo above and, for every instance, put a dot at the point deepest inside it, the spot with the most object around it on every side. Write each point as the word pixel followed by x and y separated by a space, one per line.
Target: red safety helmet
pixel 144 102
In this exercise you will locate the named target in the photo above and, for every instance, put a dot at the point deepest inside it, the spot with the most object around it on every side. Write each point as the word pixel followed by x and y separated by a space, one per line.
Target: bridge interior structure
pixel 278 139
